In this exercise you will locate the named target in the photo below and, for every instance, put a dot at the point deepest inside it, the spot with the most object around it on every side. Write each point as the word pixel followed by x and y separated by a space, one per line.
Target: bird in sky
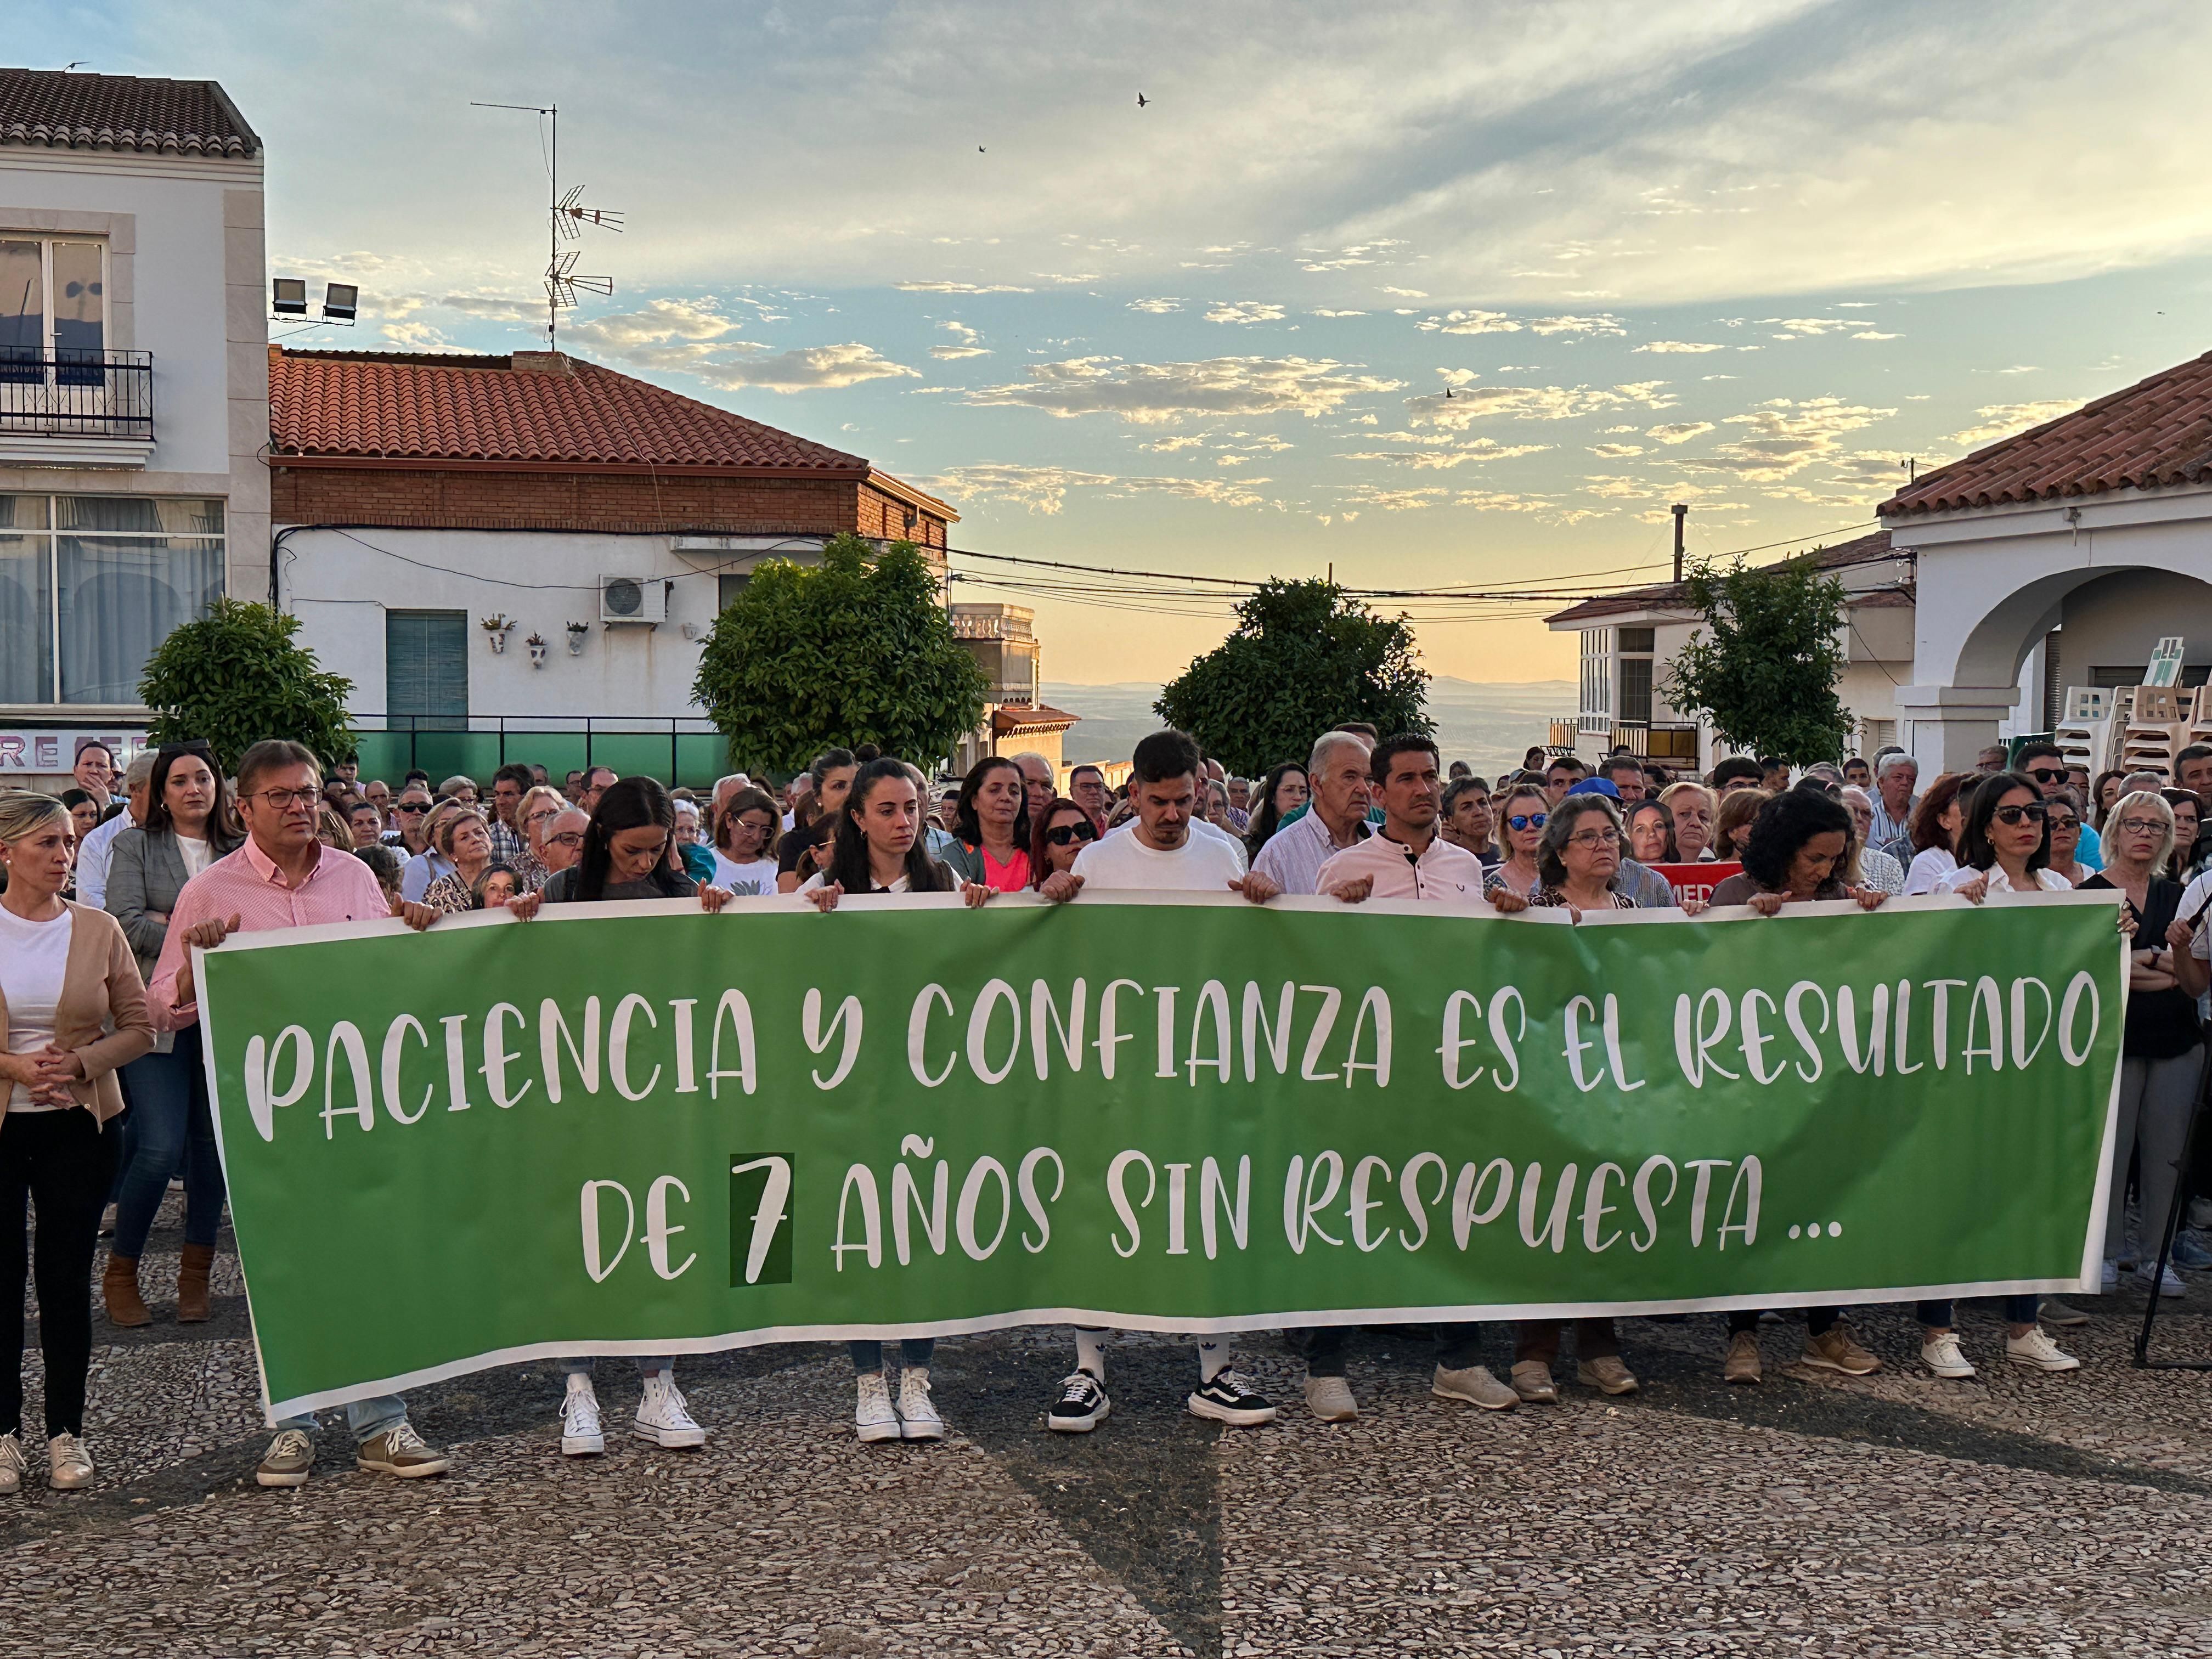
pixel 1447 394
pixel 979 150
pixel 1142 100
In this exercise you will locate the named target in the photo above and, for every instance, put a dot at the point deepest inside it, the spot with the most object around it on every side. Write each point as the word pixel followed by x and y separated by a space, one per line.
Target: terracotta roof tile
pixel 1860 550
pixel 531 408
pixel 1026 716
pixel 2155 432
pixel 55 109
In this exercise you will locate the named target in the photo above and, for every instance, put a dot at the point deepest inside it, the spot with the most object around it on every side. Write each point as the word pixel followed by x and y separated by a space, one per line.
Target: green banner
pixel 640 1129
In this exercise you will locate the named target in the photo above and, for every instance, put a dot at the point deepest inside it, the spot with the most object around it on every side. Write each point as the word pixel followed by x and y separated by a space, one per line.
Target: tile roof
pixel 1860 550
pixel 1010 717
pixel 58 110
pixel 2154 433
pixel 531 410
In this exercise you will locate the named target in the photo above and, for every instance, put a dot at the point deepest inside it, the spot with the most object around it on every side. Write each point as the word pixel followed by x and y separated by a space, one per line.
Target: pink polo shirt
pixel 1443 872
pixel 248 885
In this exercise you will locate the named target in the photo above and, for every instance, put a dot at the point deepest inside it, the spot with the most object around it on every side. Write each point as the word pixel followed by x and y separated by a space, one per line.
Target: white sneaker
pixel 1329 1398
pixel 1942 1355
pixel 918 1417
pixel 662 1416
pixel 2171 1284
pixel 2039 1352
pixel 13 1466
pixel 873 1416
pixel 580 1433
pixel 2200 1212
pixel 70 1463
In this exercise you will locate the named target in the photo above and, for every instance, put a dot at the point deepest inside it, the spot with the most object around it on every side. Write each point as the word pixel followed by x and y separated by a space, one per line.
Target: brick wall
pixel 426 498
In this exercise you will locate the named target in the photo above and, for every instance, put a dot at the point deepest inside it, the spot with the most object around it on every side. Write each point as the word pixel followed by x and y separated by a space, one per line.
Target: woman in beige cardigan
pixel 72 1009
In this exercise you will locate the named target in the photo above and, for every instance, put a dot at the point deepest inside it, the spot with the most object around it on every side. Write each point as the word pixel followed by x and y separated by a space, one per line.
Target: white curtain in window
pixel 27 673
pixel 119 598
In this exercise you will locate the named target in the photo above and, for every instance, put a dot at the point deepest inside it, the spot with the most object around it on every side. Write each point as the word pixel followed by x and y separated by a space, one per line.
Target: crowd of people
pixel 110 885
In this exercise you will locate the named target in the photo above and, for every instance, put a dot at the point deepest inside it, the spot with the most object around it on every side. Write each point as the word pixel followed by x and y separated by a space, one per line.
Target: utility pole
pixel 1681 512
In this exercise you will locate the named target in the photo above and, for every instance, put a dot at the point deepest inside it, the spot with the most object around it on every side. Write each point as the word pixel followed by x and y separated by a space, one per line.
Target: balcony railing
pixel 69 393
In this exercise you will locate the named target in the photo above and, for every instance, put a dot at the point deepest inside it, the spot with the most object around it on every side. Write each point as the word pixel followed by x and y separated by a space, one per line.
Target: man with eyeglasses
pixel 2046 762
pixel 283 877
pixel 562 842
pixel 1086 788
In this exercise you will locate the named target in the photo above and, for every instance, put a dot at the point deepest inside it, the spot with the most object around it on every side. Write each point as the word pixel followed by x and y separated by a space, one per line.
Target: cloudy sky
pixel 1427 294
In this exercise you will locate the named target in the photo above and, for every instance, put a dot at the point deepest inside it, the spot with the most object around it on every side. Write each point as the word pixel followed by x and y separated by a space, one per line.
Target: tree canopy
pixel 856 649
pixel 1764 667
pixel 1304 657
pixel 233 677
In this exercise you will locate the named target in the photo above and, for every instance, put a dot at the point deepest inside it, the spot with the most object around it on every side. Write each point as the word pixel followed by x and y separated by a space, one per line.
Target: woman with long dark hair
pixel 878 850
pixel 990 826
pixel 188 826
pixel 1282 791
pixel 625 857
pixel 1936 822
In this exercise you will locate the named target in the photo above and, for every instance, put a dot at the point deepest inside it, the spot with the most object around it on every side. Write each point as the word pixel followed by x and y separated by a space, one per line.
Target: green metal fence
pixel 661 750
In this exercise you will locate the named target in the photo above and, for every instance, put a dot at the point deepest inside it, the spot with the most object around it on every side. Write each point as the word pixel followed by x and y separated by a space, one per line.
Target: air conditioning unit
pixel 633 599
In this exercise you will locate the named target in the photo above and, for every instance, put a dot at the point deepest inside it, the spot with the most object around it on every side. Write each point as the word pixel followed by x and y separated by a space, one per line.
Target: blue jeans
pixel 365 1418
pixel 913 1353
pixel 170 1130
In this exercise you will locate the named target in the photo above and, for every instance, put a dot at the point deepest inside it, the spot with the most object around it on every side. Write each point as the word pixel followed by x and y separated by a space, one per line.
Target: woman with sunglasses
pixel 1693 810
pixel 1523 813
pixel 2159 1045
pixel 744 843
pixel 170 1129
pixel 2004 846
pixel 1063 830
pixel 626 858
pixel 991 827
pixel 878 850
pixel 2065 817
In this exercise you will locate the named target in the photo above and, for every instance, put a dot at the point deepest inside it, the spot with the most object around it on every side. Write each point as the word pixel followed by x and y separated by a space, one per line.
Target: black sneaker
pixel 1080 1406
pixel 1230 1398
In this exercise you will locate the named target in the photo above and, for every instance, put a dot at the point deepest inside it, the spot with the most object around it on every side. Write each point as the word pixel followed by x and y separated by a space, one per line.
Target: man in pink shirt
pixel 283 877
pixel 1406 859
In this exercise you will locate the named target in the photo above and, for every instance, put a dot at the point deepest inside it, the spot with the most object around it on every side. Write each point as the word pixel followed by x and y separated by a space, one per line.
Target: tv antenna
pixel 569 216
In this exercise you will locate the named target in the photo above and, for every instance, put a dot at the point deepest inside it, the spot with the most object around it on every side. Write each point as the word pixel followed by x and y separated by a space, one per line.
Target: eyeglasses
pixel 2033 812
pixel 2047 773
pixel 2059 825
pixel 1066 833
pixel 2140 827
pixel 1596 838
pixel 1528 820
pixel 566 838
pixel 283 799
pixel 411 806
pixel 758 828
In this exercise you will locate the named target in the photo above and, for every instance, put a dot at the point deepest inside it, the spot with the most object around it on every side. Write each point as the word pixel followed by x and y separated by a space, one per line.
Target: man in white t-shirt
pixel 1160 853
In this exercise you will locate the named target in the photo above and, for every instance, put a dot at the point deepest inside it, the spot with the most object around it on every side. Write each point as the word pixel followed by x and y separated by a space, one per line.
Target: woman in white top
pixel 879 849
pixel 1936 824
pixel 66 975
pixel 2004 846
pixel 744 838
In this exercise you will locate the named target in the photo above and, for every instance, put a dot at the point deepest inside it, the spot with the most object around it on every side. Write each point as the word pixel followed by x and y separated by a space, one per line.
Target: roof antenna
pixel 568 216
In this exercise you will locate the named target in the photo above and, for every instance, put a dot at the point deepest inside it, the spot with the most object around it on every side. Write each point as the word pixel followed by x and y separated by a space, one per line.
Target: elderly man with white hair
pixel 1335 817
pixel 1896 778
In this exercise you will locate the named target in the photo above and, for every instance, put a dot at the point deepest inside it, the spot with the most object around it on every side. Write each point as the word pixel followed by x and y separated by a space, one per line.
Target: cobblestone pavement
pixel 1815 1515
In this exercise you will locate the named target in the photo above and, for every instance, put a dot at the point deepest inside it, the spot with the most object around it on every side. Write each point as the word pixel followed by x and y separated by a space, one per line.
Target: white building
pixel 133 393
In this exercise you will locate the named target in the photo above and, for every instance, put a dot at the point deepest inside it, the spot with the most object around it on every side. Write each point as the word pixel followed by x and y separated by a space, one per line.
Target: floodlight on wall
pixel 288 297
pixel 341 303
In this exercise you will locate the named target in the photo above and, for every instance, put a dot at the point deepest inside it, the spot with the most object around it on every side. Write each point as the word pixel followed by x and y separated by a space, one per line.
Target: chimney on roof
pixel 542 362
pixel 1681 512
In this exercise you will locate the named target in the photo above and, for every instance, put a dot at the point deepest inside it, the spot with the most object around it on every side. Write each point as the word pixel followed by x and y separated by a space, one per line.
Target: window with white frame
pixel 90 585
pixel 54 304
pixel 1636 649
pixel 1596 679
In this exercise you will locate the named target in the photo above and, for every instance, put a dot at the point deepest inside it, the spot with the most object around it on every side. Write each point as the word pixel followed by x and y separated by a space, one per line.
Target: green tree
pixel 234 677
pixel 1302 657
pixel 856 649
pixel 1764 667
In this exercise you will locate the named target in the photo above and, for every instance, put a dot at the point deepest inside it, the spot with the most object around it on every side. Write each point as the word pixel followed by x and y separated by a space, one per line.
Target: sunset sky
pixel 1749 256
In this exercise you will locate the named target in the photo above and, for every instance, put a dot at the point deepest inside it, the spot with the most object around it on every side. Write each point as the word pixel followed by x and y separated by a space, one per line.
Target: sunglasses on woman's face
pixel 1064 835
pixel 1528 820
pixel 2034 813
pixel 2059 826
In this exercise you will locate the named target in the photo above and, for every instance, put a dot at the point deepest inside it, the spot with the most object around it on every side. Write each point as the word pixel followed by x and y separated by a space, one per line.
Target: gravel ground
pixel 1815 1515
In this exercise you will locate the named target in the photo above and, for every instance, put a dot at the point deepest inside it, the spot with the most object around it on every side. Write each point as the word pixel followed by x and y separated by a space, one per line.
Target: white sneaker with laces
pixel 664 1418
pixel 2171 1284
pixel 873 1419
pixel 1080 1406
pixel 581 1435
pixel 2039 1352
pixel 918 1417
pixel 1942 1355
pixel 70 1461
pixel 13 1466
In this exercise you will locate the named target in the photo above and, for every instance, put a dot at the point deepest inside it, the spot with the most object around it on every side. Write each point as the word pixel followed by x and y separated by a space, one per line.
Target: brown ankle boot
pixel 192 1284
pixel 118 1288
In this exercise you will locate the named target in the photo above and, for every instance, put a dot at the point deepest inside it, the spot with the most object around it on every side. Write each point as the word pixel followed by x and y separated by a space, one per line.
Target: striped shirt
pixel 1295 853
pixel 247 884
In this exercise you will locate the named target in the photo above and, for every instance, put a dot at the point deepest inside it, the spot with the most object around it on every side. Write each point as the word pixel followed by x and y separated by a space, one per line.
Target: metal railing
pixel 69 393
pixel 675 751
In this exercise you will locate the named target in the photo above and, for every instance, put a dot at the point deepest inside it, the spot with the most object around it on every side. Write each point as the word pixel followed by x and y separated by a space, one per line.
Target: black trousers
pixel 61 1163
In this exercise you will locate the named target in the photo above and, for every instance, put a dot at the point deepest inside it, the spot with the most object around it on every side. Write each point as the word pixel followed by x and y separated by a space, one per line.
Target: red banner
pixel 1697 880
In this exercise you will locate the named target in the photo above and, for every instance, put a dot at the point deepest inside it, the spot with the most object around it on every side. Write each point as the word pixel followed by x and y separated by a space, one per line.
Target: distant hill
pixel 1487 726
